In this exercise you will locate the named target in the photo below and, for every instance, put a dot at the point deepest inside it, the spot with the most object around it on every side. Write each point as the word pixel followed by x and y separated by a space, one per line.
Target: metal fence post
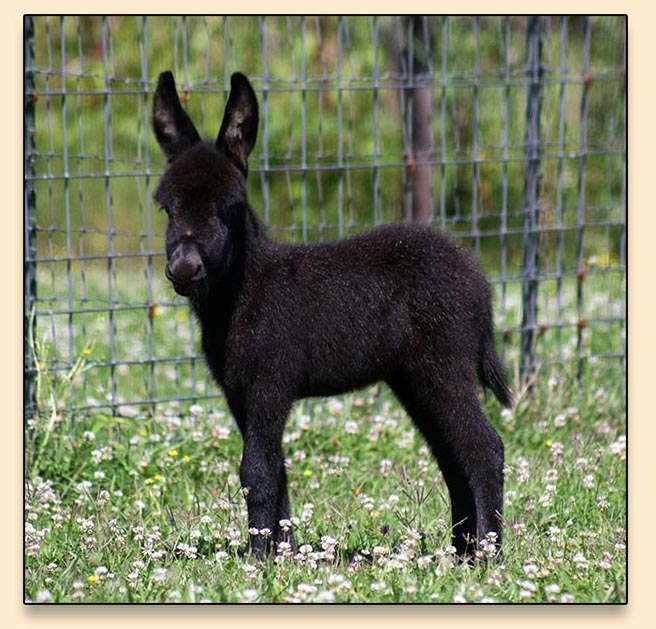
pixel 580 209
pixel 29 219
pixel 420 107
pixel 531 197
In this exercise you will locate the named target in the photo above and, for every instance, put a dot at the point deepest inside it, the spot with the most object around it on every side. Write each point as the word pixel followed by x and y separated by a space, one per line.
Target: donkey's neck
pixel 251 241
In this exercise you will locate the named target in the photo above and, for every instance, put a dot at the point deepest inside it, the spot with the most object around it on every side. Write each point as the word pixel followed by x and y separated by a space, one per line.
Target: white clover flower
pixel 223 432
pixel 488 546
pixel 551 476
pixel 304 422
pixel 523 469
pixel 618 447
pixel 554 534
pixel 395 563
pixel 187 550
pixel 328 544
pixel 85 524
pixel 560 420
pixel 44 596
pixel 556 450
pixel 385 467
pixel 78 589
pixel 102 572
pixel 306 588
pixel 335 407
pixel 336 579
pixel 325 596
pixel 133 578
pixel 527 585
pixel 159 574
pixel 285 549
pixel 308 511
pixel 233 535
pixel 530 570
pixel 581 463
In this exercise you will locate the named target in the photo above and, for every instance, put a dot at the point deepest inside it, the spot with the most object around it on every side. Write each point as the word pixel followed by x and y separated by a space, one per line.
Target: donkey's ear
pixel 174 129
pixel 239 127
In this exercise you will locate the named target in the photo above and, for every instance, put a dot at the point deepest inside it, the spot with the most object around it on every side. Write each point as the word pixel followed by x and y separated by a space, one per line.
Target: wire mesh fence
pixel 507 132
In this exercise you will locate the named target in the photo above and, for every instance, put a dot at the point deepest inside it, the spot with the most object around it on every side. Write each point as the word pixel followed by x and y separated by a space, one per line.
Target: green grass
pixel 149 509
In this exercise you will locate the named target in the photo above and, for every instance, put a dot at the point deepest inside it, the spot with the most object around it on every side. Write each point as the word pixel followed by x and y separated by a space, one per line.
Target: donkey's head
pixel 203 190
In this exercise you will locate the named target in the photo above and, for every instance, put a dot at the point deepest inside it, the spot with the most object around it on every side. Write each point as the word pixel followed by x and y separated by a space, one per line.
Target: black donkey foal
pixel 401 304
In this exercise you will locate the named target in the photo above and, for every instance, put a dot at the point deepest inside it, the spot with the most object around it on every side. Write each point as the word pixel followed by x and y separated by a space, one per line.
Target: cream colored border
pixel 642 233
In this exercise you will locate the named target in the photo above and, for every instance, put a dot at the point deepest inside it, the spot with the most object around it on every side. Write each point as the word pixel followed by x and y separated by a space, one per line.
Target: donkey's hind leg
pixel 467 448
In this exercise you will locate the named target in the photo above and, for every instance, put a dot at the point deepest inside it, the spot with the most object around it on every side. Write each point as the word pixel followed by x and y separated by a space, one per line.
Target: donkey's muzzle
pixel 185 268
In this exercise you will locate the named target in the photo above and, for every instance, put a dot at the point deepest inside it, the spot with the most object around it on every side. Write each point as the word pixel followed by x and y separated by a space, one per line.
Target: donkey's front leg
pixel 263 478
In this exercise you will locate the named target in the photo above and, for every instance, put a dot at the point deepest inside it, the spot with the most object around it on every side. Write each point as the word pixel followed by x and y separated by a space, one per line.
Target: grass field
pixel 149 509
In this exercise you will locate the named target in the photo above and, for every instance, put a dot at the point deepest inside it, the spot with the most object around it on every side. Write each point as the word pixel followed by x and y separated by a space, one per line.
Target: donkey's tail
pixel 492 373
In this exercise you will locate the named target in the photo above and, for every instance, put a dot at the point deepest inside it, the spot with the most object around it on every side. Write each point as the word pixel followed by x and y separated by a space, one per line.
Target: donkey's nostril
pixel 199 274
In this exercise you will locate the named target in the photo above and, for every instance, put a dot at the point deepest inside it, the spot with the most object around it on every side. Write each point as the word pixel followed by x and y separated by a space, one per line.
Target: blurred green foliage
pixel 331 156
